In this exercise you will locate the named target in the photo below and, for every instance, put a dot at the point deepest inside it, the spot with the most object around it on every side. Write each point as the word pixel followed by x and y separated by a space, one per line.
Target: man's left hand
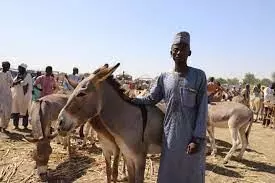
pixel 192 148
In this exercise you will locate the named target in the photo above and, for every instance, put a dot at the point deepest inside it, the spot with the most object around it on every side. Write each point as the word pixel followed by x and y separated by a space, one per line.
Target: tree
pixel 250 78
pixel 266 81
pixel 233 81
pixel 273 76
pixel 221 80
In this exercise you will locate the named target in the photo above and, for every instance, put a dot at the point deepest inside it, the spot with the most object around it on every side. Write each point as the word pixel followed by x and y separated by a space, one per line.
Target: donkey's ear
pixel 101 68
pixel 107 72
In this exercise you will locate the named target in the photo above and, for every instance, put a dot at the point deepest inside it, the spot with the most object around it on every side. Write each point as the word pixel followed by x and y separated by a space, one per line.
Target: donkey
pixel 44 112
pixel 134 129
pixel 235 116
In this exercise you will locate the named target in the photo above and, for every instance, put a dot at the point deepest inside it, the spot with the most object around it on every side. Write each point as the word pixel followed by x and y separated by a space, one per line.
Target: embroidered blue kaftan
pixel 186 113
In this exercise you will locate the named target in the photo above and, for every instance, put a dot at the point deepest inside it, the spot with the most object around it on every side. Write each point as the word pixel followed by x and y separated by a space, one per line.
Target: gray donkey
pixel 133 129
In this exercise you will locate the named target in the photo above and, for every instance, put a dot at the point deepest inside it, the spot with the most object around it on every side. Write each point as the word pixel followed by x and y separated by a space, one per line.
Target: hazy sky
pixel 228 37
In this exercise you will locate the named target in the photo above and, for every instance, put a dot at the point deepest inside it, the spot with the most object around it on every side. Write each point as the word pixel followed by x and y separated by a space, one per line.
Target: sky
pixel 228 38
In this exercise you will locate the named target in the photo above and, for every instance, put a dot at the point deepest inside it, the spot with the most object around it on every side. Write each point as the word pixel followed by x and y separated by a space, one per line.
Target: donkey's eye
pixel 81 94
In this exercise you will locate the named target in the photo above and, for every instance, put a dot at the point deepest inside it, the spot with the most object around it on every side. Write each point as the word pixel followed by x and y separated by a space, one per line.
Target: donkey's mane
pixel 118 88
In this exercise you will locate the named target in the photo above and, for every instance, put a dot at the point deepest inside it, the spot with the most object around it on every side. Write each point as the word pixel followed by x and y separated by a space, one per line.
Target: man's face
pixel 49 71
pixel 21 70
pixel 75 71
pixel 5 67
pixel 180 52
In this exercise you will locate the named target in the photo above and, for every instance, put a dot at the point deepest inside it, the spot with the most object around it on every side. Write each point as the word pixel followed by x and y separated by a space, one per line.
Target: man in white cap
pixel 5 97
pixel 185 93
pixel 22 95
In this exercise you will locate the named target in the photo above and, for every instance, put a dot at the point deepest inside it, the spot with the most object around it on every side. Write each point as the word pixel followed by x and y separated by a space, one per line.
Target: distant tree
pixel 266 81
pixel 233 81
pixel 221 80
pixel 249 78
pixel 273 76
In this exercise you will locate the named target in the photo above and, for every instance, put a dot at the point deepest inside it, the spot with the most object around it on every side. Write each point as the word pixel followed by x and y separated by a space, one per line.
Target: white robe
pixel 21 103
pixel 5 98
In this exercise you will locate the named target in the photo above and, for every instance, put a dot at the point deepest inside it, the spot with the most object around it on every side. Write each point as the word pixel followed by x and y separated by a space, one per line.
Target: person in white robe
pixel 73 77
pixel 21 95
pixel 5 96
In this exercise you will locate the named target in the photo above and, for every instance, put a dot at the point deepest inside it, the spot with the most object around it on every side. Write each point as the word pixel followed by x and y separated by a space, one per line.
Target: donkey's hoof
pixel 123 179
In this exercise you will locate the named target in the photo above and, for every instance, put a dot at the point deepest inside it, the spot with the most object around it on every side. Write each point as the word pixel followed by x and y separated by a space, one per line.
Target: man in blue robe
pixel 184 92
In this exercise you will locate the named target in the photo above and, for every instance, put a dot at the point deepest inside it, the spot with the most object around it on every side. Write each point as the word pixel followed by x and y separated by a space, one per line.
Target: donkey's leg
pixel 131 169
pixel 87 127
pixel 243 140
pixel 124 166
pixel 210 130
pixel 68 139
pixel 124 175
pixel 115 164
pixel 93 135
pixel 64 142
pixel 140 167
pixel 239 140
pixel 234 136
pixel 59 140
pixel 107 157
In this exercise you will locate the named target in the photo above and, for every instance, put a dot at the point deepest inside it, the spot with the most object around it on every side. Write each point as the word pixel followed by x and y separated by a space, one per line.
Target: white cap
pixel 182 37
pixel 23 65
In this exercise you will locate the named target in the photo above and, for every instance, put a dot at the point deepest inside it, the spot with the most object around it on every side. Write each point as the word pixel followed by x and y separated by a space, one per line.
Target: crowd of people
pixel 18 93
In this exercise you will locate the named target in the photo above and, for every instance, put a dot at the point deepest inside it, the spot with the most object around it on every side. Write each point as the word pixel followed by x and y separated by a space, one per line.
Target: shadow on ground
pixel 70 170
pixel 92 149
pixel 257 166
pixel 11 136
pixel 222 171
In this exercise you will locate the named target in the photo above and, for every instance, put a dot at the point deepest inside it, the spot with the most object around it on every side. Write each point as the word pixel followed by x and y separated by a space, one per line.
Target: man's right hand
pixel 16 83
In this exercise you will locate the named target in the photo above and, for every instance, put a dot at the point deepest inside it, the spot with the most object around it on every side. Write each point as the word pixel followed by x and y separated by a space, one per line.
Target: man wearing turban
pixel 21 95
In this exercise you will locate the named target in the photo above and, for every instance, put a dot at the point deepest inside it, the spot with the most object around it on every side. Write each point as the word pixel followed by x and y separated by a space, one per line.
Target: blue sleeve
pixel 155 96
pixel 201 120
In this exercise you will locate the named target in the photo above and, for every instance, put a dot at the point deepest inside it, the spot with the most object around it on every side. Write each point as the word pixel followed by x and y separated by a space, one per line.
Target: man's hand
pixel 192 148
pixel 16 82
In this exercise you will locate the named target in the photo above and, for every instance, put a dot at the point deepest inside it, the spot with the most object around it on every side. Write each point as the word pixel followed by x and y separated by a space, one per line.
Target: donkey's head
pixel 84 102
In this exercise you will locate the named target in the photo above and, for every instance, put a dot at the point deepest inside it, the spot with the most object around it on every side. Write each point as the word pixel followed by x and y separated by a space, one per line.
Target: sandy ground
pixel 88 165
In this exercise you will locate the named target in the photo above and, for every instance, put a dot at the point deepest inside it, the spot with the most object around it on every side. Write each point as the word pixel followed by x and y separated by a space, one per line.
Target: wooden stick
pixel 5 154
pixel 3 172
pixel 28 177
pixel 11 173
pixel 14 170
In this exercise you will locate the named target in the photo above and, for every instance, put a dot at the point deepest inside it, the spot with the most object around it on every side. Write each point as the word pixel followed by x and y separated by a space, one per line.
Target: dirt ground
pixel 258 165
